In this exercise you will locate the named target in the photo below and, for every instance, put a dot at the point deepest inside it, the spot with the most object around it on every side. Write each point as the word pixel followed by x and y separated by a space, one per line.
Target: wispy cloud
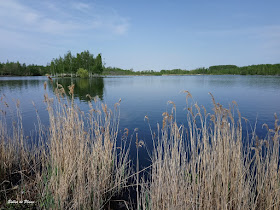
pixel 50 28
pixel 81 6
pixel 102 18
pixel 78 16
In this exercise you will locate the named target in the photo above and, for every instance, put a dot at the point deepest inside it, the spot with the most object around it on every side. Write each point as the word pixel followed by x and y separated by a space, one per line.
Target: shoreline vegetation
pixel 73 164
pixel 78 163
pixel 69 65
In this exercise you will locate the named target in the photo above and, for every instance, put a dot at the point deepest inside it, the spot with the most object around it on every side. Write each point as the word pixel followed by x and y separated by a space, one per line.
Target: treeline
pixel 261 69
pixel 17 69
pixel 69 64
pixel 85 62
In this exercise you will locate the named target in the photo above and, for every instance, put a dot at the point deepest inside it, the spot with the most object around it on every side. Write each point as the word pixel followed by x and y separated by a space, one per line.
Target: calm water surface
pixel 258 97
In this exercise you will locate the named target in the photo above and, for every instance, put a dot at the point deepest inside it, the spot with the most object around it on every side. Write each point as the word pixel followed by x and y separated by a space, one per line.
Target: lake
pixel 258 98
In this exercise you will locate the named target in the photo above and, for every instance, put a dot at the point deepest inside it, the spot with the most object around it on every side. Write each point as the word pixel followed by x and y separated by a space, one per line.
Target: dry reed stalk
pixel 16 166
pixel 79 166
pixel 84 167
pixel 205 165
pixel 75 164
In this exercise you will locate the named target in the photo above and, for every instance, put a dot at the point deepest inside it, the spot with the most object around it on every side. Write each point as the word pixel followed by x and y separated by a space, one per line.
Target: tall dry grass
pixel 207 165
pixel 16 157
pixel 75 164
pixel 84 167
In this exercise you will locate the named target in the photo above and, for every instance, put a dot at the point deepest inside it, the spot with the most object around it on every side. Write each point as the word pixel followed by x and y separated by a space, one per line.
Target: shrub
pixel 83 73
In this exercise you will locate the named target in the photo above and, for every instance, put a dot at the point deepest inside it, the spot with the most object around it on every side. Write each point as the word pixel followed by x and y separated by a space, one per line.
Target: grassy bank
pixel 77 162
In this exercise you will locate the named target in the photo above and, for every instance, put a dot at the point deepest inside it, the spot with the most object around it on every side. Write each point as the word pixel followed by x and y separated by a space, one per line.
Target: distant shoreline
pixel 144 75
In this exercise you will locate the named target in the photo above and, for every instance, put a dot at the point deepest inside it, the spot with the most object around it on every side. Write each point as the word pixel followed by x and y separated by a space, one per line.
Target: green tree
pixel 83 73
pixel 98 67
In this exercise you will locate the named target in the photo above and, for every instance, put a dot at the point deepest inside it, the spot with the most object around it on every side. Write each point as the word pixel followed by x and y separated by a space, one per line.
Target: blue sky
pixel 142 35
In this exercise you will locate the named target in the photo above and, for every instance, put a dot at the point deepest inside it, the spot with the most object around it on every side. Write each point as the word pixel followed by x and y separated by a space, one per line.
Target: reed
pixel 75 163
pixel 16 166
pixel 207 165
